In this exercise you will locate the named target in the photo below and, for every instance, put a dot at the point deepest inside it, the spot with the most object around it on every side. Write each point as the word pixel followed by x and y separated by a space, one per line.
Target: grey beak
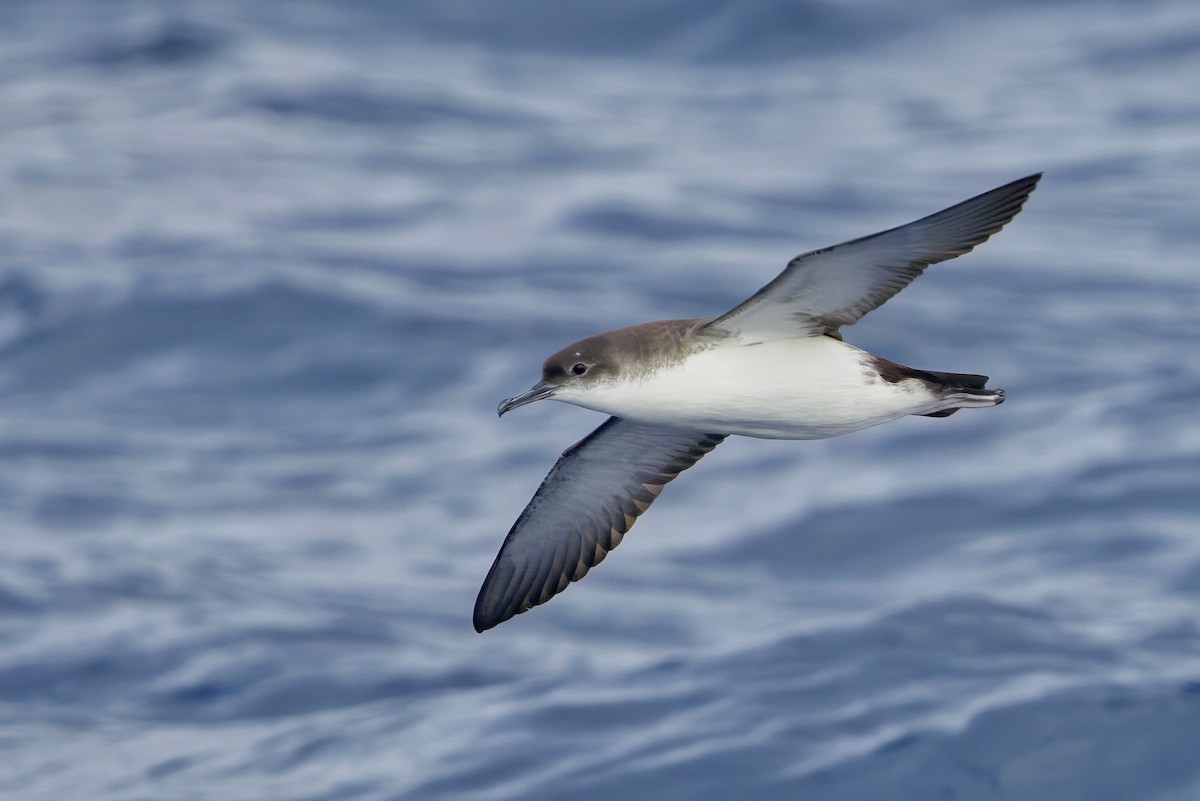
pixel 539 391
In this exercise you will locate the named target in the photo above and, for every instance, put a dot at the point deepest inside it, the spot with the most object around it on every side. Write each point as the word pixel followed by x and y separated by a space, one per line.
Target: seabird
pixel 774 367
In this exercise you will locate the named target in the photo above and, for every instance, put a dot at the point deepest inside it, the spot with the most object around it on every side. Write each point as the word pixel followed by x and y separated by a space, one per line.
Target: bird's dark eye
pixel 579 369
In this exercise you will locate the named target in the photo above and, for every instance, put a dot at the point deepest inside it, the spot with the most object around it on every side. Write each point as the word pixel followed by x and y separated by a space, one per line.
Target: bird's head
pixel 568 373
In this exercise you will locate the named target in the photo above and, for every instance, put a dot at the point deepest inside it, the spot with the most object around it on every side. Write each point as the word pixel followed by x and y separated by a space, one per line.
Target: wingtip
pixel 1030 180
pixel 1021 187
pixel 488 614
pixel 483 620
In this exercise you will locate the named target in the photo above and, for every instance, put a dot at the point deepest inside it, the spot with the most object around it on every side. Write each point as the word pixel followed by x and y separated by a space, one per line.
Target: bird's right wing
pixel 587 502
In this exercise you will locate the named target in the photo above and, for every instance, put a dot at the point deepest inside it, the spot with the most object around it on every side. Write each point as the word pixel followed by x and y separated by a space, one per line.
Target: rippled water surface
pixel 266 270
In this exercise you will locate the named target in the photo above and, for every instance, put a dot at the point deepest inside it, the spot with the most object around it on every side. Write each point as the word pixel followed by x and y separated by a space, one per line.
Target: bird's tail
pixel 959 391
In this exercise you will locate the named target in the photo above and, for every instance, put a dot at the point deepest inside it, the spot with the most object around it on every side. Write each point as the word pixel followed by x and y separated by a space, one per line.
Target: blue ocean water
pixel 267 268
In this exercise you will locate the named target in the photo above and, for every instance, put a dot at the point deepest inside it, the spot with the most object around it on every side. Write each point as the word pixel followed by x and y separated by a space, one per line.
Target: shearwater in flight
pixel 774 366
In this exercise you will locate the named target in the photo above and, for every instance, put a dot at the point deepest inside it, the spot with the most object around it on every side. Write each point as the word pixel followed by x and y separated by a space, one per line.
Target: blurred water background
pixel 267 268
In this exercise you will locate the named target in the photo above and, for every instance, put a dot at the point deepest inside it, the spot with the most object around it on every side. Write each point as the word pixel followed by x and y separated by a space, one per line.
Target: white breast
pixel 807 388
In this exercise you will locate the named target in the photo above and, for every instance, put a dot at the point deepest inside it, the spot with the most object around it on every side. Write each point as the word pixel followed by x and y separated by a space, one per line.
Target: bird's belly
pixel 779 412
pixel 797 389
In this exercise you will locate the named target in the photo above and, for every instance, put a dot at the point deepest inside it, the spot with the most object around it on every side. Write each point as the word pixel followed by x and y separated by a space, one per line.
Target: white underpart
pixel 804 388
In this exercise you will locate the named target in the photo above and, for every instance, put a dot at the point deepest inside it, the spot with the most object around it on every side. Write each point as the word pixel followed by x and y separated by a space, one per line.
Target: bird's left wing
pixel 583 508
pixel 821 290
